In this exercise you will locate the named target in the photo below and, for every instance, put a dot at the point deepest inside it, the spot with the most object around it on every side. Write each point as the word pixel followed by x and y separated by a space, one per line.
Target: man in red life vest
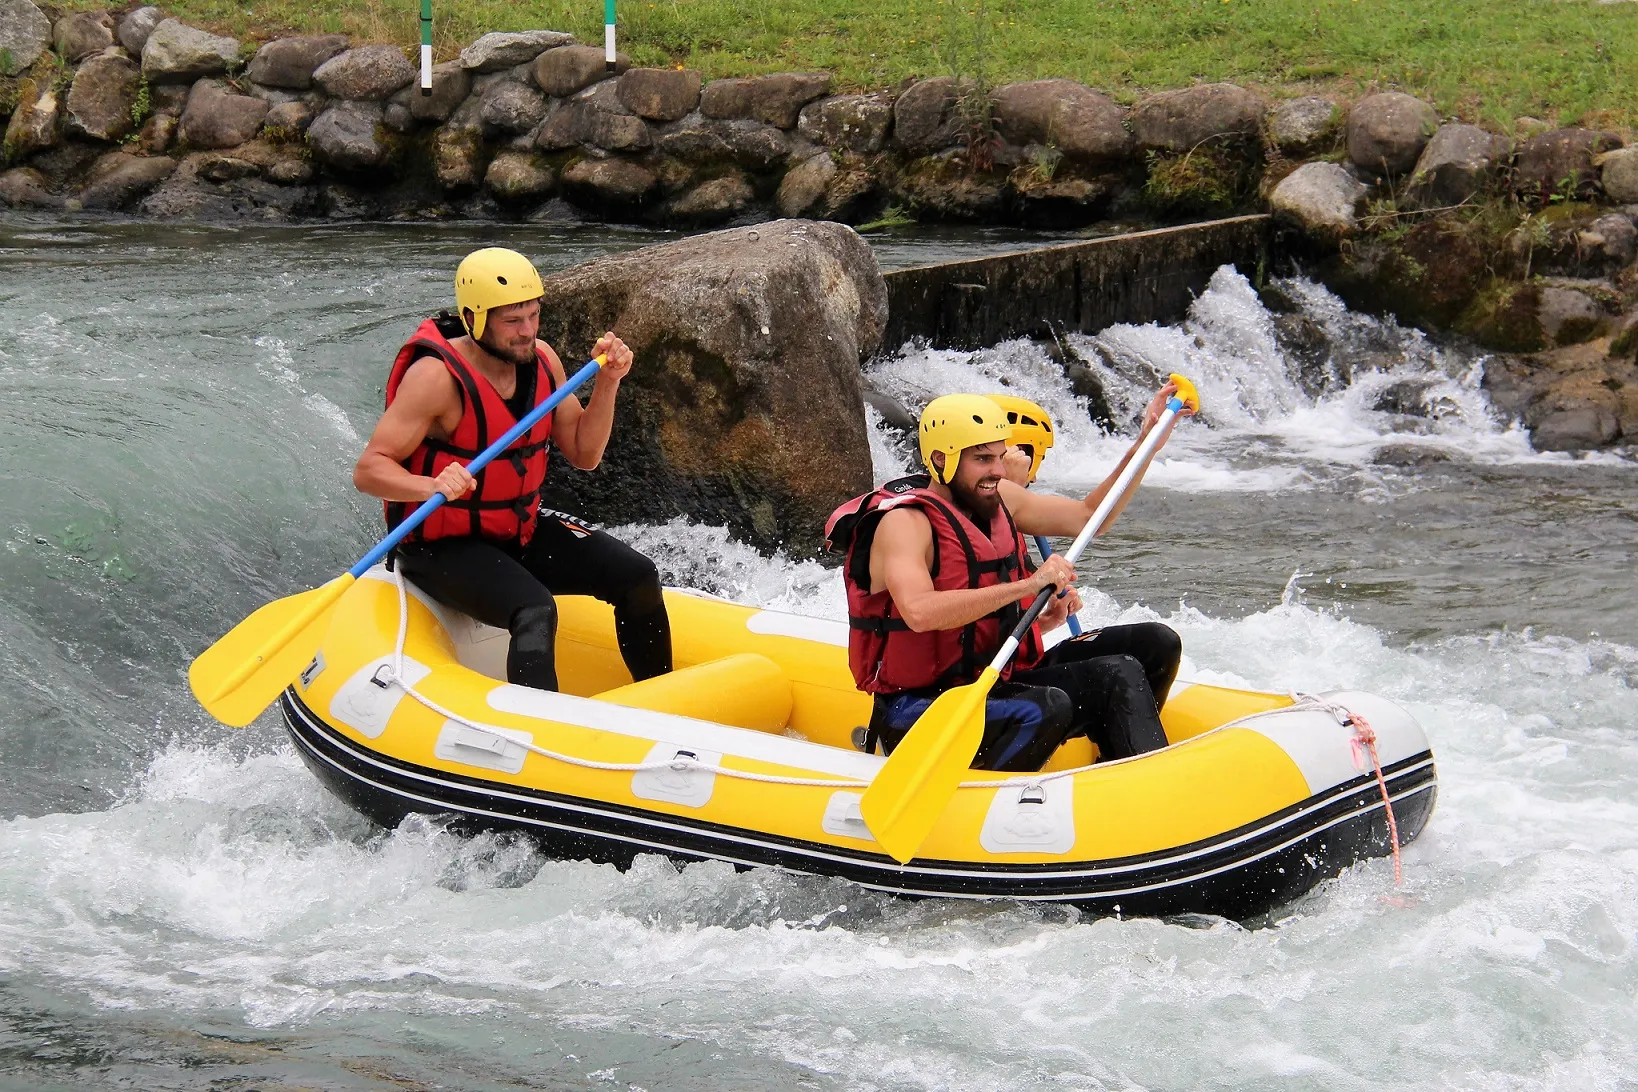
pixel 491 551
pixel 937 575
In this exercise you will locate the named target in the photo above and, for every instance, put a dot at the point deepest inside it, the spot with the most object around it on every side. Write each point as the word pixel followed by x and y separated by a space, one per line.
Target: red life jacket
pixel 884 653
pixel 504 503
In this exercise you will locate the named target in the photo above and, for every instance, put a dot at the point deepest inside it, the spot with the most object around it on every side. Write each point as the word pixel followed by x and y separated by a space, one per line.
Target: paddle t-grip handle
pixel 1174 406
pixel 487 456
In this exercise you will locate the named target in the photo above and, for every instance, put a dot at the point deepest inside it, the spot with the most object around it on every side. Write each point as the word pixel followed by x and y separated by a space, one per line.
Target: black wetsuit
pixel 1109 685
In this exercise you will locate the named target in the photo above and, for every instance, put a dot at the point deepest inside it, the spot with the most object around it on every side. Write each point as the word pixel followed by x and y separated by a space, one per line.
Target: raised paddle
pixel 241 674
pixel 915 785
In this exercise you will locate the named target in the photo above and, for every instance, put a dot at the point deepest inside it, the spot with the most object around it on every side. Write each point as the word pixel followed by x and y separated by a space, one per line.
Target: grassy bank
pixel 1570 61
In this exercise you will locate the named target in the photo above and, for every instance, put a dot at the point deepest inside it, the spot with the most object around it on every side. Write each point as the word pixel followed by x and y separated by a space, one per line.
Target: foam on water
pixel 232 881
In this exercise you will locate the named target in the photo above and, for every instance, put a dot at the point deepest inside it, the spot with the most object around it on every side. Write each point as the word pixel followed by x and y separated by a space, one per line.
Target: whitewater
pixel 183 906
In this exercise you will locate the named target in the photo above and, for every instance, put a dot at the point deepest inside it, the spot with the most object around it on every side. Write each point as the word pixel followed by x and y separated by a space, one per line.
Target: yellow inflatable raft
pixel 747 753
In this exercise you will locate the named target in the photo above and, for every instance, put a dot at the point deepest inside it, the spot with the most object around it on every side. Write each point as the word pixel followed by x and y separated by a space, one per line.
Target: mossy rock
pixel 1202 182
pixel 1504 316
pixel 1427 275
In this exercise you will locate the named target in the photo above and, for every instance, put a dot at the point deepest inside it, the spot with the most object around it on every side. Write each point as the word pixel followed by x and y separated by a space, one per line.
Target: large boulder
pixel 178 53
pixel 217 118
pixel 101 96
pixel 745 407
pixel 848 123
pixel 1458 163
pixel 660 94
pixel 290 62
pixel 1618 173
pixel 562 71
pixel 927 117
pixel 1559 163
pixel 615 187
pixel 33 125
pixel 1301 127
pixel 82 33
pixel 135 28
pixel 748 143
pixel 1182 120
pixel 500 50
pixel 1076 120
pixel 118 179
pixel 1321 200
pixel 509 107
pixel 348 136
pixel 371 72
pixel 25 33
pixel 517 176
pixel 1387 132
pixel 451 84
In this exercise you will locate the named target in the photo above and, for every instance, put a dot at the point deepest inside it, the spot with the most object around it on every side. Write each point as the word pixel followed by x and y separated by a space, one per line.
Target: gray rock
pixel 33 125
pixel 118 179
pixel 509 107
pixel 1568 317
pixel 745 142
pixel 396 114
pixel 347 135
pixel 890 410
pixel 290 171
pixel 498 50
pixel 517 176
pixel 290 119
pixel 135 28
pixel 458 157
pixel 616 186
pixel 221 167
pixel 1387 132
pixel 726 99
pixel 451 83
pixel 1304 126
pixel 751 340
pixel 1321 200
pixel 1618 173
pixel 158 133
pixel 713 201
pixel 371 72
pixel 1459 162
pixel 562 71
pixel 217 118
pixel 926 118
pixel 25 32
pixel 1076 120
pixel 25 187
pixel 660 94
pixel 101 96
pixel 1609 242
pixel 849 123
pixel 1560 161
pixel 778 99
pixel 1177 121
pixel 178 53
pixel 82 33
pixel 1576 428
pixel 804 185
pixel 595 117
pixel 290 62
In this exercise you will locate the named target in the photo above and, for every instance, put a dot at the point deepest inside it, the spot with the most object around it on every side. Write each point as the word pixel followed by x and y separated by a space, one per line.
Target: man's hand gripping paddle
pixel 241 674
pixel 915 785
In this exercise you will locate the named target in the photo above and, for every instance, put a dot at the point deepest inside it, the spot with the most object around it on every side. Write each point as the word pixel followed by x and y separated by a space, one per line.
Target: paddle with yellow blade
pixel 241 674
pixel 915 785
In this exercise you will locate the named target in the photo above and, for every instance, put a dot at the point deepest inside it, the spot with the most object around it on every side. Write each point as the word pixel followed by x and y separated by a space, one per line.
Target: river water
pixel 181 905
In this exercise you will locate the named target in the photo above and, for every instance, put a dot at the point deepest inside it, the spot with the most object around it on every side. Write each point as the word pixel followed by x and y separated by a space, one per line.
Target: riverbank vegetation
pixel 1488 61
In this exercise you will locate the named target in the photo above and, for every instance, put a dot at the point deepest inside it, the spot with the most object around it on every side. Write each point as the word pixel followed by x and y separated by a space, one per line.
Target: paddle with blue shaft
pixel 1045 547
pixel 915 785
pixel 241 674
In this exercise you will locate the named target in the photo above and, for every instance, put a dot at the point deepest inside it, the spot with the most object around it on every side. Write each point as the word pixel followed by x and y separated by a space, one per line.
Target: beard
pixel 984 506
pixel 520 355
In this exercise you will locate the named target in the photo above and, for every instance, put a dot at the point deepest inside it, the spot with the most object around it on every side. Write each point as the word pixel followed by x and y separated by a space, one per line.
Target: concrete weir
pixel 1146 276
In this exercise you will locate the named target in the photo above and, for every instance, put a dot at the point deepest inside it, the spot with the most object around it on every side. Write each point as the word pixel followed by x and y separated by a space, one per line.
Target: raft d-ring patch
pixel 680 780
pixel 1038 817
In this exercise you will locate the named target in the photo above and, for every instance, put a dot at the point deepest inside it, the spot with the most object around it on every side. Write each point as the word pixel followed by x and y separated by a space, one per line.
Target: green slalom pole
pixel 426 46
pixel 608 34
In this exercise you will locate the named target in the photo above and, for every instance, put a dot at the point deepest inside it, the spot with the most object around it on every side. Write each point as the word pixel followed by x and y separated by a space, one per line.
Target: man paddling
pixel 491 551
pixel 937 575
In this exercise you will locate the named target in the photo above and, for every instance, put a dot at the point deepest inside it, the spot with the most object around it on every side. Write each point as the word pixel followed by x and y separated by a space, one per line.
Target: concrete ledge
pixel 1147 276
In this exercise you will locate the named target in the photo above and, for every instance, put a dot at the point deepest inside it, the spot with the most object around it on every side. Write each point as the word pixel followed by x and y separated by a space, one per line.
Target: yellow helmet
pixel 493 277
pixel 1031 427
pixel 954 422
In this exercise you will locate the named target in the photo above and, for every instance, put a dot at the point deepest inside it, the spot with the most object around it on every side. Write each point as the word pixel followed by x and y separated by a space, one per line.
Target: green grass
pixel 1569 61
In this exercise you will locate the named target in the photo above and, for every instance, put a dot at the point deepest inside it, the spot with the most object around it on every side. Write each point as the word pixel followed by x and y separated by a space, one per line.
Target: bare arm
pixel 901 561
pixel 582 432
pixel 427 403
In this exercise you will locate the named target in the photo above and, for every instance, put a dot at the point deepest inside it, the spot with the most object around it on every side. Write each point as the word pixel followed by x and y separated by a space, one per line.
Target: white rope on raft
pixel 395 677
